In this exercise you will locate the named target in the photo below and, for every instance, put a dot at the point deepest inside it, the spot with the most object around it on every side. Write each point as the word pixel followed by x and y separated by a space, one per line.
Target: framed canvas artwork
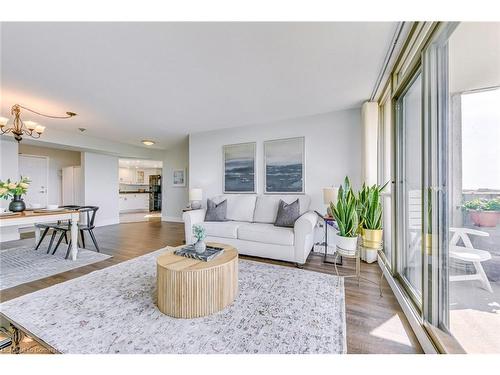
pixel 239 168
pixel 179 178
pixel 284 166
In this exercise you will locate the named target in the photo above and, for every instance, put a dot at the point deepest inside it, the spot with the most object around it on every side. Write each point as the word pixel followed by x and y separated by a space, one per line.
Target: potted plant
pixel 346 215
pixel 15 190
pixel 200 234
pixel 483 212
pixel 370 213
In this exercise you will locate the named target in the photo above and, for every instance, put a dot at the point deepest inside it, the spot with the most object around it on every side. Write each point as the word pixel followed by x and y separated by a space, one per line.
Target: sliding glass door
pixel 386 174
pixel 445 251
pixel 465 61
pixel 409 193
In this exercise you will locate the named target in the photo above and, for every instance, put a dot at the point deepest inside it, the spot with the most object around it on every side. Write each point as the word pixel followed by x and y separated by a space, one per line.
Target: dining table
pixel 33 217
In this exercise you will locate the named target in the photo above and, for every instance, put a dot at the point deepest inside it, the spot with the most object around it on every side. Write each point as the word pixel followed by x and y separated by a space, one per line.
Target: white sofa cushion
pixel 240 207
pixel 226 229
pixel 266 206
pixel 266 233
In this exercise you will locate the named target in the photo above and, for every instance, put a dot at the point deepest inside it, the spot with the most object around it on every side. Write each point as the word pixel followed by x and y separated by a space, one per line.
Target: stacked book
pixel 210 253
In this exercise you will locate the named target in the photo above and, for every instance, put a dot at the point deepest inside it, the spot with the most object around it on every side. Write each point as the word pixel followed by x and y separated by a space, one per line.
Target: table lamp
pixel 329 195
pixel 195 197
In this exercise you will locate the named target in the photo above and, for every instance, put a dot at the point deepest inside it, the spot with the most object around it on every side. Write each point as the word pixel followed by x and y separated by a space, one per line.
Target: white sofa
pixel 250 227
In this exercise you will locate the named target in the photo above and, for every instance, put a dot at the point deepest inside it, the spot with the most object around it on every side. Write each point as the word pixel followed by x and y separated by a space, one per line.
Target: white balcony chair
pixel 465 253
pixel 468 253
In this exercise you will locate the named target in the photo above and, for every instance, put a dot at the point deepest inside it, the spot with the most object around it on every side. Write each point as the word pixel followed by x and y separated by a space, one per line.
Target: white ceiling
pixel 131 81
pixel 474 56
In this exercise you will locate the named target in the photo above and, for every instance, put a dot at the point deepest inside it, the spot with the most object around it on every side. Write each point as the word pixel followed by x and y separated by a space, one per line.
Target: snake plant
pixel 345 210
pixel 370 206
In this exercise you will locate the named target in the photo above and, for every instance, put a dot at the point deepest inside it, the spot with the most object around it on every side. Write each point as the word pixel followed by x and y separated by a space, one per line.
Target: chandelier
pixel 26 128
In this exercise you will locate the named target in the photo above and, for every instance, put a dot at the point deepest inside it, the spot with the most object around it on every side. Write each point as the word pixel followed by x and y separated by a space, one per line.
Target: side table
pixel 329 221
pixel 187 209
pixel 356 255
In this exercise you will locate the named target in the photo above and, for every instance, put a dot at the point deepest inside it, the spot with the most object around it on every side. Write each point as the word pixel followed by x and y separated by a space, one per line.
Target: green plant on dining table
pixel 12 188
pixel 345 211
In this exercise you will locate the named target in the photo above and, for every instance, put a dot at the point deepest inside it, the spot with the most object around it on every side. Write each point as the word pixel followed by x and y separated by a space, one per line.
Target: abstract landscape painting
pixel 284 165
pixel 239 168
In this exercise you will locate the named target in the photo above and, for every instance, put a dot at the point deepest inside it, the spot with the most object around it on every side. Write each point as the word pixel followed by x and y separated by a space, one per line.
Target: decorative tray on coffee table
pixel 210 253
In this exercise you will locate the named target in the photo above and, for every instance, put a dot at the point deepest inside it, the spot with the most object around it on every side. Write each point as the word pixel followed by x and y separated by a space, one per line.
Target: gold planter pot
pixel 428 244
pixel 372 238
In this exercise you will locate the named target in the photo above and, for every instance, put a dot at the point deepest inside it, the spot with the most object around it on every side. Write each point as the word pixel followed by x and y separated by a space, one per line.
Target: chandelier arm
pixel 69 114
pixel 8 130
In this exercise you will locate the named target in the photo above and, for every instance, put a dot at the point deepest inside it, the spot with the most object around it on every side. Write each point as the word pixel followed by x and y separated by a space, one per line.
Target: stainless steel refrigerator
pixel 155 193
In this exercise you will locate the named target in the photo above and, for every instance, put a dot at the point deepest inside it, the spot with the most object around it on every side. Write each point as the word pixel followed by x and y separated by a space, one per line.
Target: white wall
pixel 333 150
pixel 9 163
pixel 100 179
pixel 58 159
pixel 174 199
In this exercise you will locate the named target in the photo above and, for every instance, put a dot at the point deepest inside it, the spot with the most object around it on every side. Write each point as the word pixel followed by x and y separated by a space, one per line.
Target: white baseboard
pixel 175 219
pixel 103 223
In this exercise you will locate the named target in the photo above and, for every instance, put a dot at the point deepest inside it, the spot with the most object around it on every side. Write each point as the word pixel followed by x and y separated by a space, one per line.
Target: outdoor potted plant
pixel 346 216
pixel 15 190
pixel 370 213
pixel 483 212
pixel 200 234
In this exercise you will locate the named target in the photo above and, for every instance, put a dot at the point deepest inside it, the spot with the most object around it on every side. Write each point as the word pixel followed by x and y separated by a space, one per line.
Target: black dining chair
pixel 90 212
pixel 47 227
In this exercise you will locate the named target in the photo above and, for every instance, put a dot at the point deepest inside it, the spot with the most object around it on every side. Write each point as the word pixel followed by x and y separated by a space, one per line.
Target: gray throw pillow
pixel 287 214
pixel 216 212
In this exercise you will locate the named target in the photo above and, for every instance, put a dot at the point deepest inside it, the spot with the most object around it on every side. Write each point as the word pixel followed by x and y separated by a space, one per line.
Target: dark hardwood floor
pixel 374 324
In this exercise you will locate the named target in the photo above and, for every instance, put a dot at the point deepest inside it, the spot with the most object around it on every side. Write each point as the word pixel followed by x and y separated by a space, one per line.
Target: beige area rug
pixel 277 310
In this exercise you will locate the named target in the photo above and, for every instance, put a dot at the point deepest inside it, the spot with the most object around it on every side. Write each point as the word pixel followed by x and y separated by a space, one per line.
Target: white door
pixel 36 168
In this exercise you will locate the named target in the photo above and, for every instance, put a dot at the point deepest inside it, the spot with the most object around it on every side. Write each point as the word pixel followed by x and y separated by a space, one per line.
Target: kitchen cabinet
pixel 137 176
pixel 134 201
pixel 125 175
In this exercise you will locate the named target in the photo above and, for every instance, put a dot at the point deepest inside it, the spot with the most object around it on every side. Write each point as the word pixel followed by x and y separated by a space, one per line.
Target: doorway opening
pixel 140 191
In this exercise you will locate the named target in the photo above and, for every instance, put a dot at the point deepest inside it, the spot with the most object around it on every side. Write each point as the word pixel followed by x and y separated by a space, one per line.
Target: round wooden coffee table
pixel 190 288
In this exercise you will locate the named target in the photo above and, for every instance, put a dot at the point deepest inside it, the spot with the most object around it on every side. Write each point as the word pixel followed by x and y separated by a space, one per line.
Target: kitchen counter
pixel 133 192
pixel 133 200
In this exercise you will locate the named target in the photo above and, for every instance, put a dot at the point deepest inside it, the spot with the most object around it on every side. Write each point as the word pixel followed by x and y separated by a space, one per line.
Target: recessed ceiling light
pixel 148 142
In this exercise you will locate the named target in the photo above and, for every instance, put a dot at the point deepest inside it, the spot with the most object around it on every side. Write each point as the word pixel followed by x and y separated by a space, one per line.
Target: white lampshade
pixel 39 129
pixel 31 125
pixel 329 195
pixel 3 121
pixel 195 194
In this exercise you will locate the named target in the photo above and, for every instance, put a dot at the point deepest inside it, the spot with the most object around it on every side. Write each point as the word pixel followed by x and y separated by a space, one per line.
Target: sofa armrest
pixel 304 235
pixel 191 218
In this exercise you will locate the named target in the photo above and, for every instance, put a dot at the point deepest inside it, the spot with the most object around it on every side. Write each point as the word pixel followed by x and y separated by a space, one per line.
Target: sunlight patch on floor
pixel 393 330
pixel 133 217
